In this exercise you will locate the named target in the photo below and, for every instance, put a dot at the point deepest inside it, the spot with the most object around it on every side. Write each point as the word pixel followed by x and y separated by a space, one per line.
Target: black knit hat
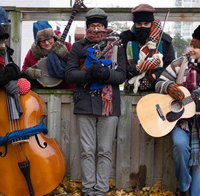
pixel 195 42
pixel 96 15
pixel 3 33
pixel 143 13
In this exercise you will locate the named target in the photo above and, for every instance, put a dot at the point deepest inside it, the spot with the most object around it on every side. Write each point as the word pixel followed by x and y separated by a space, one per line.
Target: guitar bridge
pixel 160 113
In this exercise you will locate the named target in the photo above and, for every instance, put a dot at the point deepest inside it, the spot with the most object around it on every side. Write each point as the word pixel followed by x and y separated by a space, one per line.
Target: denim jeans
pixel 187 177
pixel 96 137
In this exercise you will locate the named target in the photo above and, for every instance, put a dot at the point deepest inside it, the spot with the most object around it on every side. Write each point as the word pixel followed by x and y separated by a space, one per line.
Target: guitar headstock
pixel 77 5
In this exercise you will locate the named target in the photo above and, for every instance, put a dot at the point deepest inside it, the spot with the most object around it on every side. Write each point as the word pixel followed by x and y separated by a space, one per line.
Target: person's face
pixel 96 26
pixel 143 24
pixel 194 53
pixel 3 43
pixel 47 43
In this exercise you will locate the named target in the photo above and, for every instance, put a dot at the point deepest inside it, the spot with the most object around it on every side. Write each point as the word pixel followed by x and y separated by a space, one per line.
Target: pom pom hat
pixel 96 15
pixel 143 13
pixel 3 17
pixel 195 42
pixel 42 30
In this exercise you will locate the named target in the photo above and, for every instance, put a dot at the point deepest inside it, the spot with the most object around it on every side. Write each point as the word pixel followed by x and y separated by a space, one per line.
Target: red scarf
pixel 191 79
pixel 107 95
pixel 2 62
pixel 97 36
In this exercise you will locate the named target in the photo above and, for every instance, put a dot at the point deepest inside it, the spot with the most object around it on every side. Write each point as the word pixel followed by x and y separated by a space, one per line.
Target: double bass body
pixel 47 162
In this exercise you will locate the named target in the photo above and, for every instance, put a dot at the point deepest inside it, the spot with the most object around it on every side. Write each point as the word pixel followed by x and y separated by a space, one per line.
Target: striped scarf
pixel 107 95
pixel 191 79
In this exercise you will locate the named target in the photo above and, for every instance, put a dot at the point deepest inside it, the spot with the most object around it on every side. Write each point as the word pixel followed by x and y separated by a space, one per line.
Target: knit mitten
pixel 33 72
pixel 61 50
pixel 175 92
pixel 148 64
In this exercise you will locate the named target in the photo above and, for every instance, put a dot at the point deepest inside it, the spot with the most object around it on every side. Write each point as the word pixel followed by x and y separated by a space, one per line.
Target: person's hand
pixel 14 69
pixel 175 92
pixel 88 73
pixel 61 50
pixel 148 64
pixel 33 72
pixel 127 36
pixel 100 72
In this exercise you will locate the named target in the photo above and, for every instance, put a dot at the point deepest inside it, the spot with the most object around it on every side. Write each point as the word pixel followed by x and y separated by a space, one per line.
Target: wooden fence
pixel 138 159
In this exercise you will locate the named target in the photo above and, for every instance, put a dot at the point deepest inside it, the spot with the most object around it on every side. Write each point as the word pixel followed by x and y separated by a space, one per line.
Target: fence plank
pixel 123 143
pixel 75 164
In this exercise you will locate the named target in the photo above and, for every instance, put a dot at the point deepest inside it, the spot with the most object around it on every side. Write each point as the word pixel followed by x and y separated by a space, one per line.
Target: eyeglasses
pixel 98 26
pixel 48 40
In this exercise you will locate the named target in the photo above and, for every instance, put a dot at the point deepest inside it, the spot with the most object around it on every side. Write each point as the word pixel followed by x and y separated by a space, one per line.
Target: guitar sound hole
pixel 176 106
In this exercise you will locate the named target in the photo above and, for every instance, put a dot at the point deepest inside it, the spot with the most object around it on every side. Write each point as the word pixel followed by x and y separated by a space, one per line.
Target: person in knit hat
pixel 96 99
pixel 11 71
pixel 10 75
pixel 45 42
pixel 147 55
pixel 185 71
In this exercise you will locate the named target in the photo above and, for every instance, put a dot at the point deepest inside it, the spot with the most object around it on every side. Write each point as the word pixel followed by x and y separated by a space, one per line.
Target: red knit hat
pixel 195 42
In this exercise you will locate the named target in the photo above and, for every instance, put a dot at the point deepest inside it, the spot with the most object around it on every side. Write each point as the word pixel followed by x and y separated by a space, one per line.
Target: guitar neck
pixel 66 30
pixel 107 48
pixel 187 100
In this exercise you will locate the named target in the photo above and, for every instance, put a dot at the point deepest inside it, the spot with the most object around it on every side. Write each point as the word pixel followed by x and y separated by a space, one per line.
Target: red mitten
pixel 23 85
pixel 175 92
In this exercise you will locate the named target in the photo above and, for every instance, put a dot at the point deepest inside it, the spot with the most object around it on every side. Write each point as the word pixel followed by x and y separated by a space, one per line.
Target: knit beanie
pixel 42 30
pixel 195 42
pixel 143 13
pixel 3 16
pixel 96 15
pixel 3 33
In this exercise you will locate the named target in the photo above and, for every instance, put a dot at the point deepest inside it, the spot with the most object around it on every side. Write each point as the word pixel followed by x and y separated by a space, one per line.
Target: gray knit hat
pixel 96 15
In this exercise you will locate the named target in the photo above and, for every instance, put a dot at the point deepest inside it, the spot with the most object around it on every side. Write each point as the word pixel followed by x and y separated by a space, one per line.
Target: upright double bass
pixel 31 166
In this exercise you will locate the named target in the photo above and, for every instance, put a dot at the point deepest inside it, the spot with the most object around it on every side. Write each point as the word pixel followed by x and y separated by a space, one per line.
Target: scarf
pixel 136 56
pixel 107 95
pixel 191 79
pixel 97 36
pixel 2 62
pixel 2 52
pixel 133 49
pixel 195 135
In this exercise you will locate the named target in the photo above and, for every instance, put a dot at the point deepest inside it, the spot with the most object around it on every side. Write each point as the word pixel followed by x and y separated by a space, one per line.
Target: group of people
pixel 144 60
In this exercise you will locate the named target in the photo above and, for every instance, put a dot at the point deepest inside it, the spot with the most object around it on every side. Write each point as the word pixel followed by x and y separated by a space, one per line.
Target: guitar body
pixel 46 80
pixel 47 164
pixel 158 113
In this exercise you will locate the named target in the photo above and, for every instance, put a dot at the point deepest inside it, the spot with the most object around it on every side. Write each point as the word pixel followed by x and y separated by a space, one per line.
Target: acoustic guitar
pixel 159 113
pixel 46 80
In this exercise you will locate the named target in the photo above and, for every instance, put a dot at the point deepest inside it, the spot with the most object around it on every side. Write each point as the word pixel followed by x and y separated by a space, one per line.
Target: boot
pixel 186 193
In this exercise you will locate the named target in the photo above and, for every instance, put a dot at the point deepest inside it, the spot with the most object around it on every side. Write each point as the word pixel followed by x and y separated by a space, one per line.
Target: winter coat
pixel 85 101
pixel 30 60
